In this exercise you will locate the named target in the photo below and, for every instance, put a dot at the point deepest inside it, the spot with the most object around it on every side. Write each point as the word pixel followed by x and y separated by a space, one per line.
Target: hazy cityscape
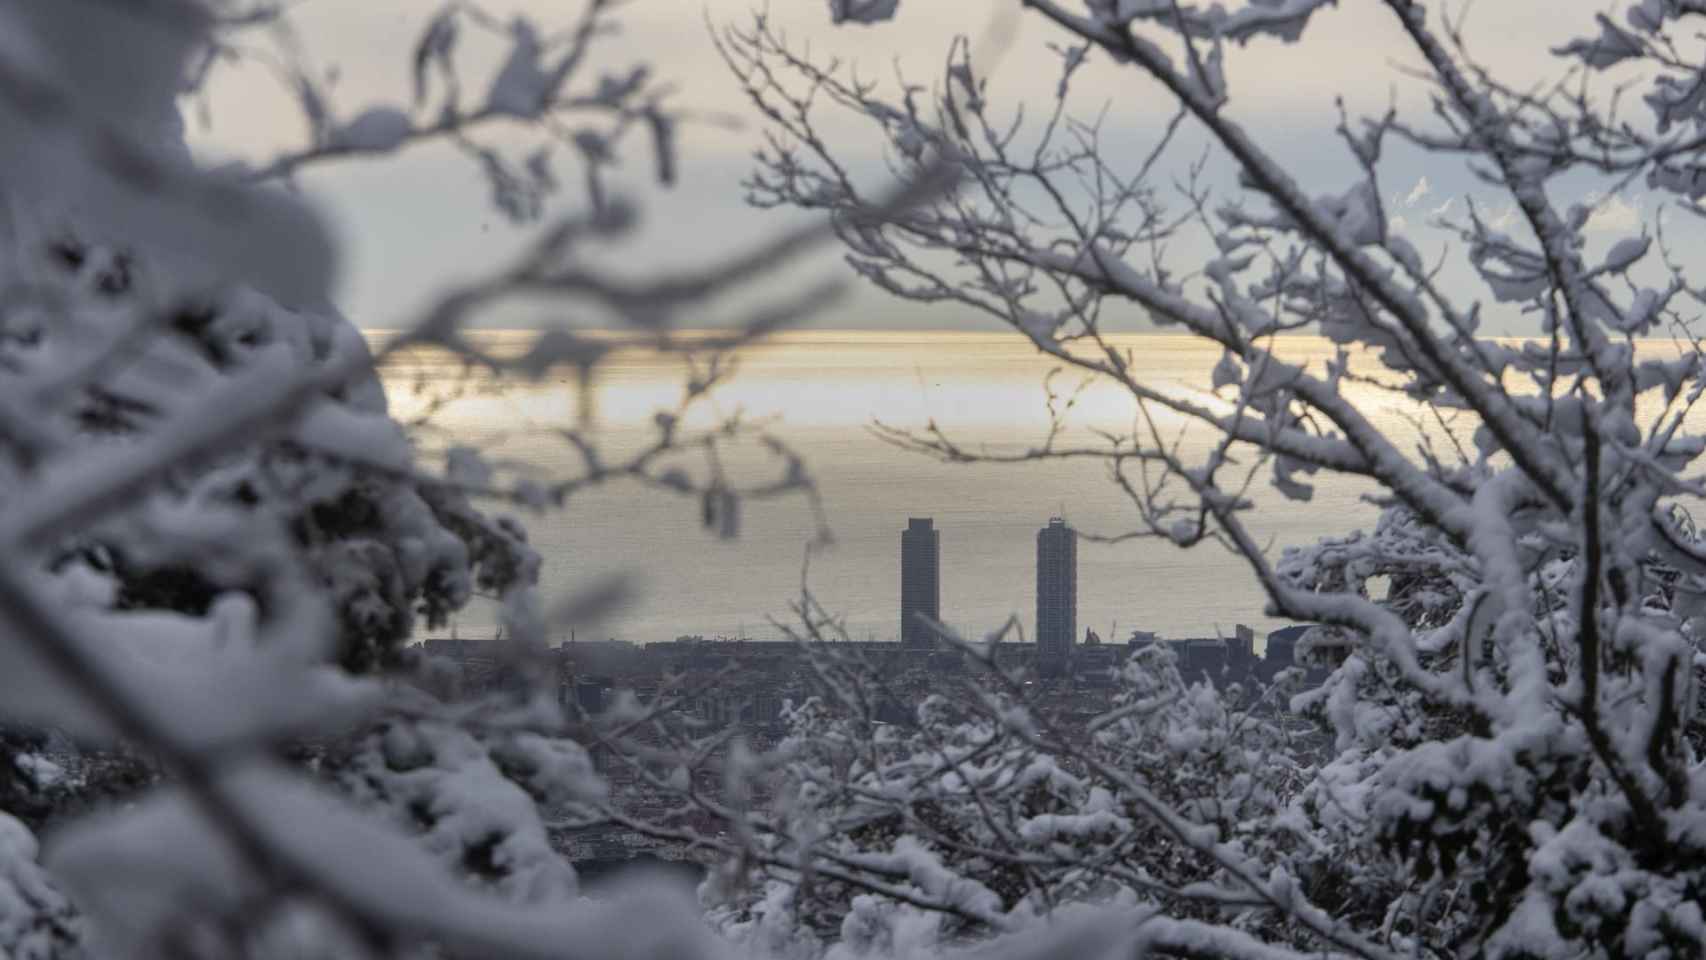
pixel 724 683
pixel 821 390
pixel 852 480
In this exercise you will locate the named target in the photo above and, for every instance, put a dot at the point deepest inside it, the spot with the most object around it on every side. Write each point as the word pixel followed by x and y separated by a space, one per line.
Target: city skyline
pixel 1056 623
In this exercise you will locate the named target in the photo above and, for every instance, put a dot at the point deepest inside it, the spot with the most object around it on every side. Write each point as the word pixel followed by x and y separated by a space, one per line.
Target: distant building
pixel 1281 653
pixel 1057 595
pixel 920 581
pixel 1215 659
pixel 1281 649
pixel 593 694
pixel 1311 646
pixel 1243 643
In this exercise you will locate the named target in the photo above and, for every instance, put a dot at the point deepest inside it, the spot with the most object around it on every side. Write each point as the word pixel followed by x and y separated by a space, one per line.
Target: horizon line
pixel 921 332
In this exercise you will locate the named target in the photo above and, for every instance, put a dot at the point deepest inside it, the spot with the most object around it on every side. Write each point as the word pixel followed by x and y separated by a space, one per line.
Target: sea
pixel 822 395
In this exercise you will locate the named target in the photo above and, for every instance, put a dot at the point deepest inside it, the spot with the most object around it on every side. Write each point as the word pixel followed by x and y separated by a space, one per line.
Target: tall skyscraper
pixel 920 580
pixel 1057 594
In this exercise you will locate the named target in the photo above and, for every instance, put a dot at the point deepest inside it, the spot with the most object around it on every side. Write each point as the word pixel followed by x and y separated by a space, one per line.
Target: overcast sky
pixel 416 220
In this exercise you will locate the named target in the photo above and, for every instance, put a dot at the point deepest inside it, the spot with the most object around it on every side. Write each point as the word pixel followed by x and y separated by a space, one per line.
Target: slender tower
pixel 1057 595
pixel 920 580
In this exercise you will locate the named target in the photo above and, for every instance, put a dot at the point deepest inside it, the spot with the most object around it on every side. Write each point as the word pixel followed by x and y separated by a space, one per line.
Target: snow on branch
pixel 1514 648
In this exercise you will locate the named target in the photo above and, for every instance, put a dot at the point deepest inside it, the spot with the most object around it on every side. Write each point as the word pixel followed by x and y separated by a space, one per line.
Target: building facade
pixel 1057 595
pixel 920 580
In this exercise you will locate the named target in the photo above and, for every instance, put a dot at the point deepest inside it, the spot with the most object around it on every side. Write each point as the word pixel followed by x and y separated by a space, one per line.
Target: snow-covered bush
pixel 1516 652
pixel 217 539
pixel 36 921
pixel 475 797
pixel 391 546
pixel 986 812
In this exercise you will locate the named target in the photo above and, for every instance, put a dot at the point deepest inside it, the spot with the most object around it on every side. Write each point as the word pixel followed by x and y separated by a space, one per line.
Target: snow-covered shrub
pixel 476 798
pixel 393 547
pixel 217 539
pixel 982 814
pixel 36 921
pixel 1516 682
